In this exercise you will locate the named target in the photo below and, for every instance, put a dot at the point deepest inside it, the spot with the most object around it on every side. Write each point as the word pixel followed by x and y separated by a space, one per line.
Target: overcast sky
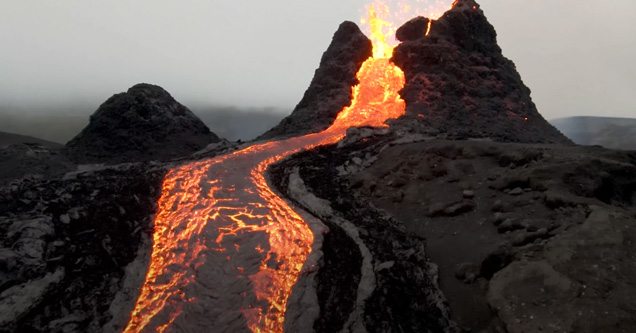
pixel 577 56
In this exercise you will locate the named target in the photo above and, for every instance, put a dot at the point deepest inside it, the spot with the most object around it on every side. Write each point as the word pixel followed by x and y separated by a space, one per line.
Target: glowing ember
pixel 428 29
pixel 219 218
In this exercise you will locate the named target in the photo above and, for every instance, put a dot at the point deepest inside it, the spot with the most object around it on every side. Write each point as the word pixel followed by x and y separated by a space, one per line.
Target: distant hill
pixel 62 124
pixel 614 133
pixel 56 124
pixel 234 123
pixel 7 139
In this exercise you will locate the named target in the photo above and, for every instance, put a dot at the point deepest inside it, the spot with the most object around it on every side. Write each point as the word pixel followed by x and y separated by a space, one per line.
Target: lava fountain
pixel 227 250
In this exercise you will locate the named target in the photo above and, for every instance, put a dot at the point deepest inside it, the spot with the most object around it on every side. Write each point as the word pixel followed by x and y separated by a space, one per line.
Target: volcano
pixel 415 188
pixel 458 83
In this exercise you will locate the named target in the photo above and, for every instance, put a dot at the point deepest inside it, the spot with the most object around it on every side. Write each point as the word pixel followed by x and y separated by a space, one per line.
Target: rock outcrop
pixel 65 245
pixel 330 89
pixel 145 123
pixel 459 85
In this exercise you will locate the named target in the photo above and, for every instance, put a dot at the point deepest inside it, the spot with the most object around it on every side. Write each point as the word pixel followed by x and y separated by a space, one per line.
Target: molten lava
pixel 225 246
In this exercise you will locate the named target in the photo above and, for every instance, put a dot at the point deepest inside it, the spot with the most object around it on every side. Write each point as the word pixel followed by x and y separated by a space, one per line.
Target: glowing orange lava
pixel 222 236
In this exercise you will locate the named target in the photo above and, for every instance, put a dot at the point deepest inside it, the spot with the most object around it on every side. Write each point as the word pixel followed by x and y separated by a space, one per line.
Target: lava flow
pixel 227 250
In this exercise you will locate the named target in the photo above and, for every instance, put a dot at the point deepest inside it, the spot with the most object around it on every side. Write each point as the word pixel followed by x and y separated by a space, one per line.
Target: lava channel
pixel 227 250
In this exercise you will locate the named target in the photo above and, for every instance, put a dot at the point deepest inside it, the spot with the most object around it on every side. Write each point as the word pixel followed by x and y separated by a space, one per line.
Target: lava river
pixel 227 250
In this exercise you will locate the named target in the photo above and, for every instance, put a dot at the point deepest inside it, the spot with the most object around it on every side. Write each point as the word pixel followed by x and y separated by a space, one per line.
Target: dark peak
pixel 459 84
pixel 465 5
pixel 346 31
pixel 330 89
pixel 348 40
pixel 142 100
pixel 413 29
pixel 148 90
pixel 466 26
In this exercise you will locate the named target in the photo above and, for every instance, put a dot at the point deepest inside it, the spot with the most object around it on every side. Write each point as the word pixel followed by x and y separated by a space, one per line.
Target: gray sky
pixel 577 56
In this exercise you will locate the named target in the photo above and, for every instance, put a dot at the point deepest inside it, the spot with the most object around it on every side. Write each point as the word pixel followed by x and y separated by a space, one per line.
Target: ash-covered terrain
pixel 527 238
pixel 469 213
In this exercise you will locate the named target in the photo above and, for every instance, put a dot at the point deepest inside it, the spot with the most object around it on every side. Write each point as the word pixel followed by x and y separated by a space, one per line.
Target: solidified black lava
pixel 339 273
pixel 406 297
pixel 459 85
pixel 90 226
pixel 145 123
pixel 330 89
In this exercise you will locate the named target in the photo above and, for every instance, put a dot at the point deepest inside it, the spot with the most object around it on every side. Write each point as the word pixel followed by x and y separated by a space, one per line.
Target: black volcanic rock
pixel 413 29
pixel 145 123
pixel 65 245
pixel 404 296
pixel 31 160
pixel 541 213
pixel 459 85
pixel 330 89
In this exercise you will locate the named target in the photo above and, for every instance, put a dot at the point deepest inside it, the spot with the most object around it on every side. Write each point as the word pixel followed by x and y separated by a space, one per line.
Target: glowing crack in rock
pixel 227 250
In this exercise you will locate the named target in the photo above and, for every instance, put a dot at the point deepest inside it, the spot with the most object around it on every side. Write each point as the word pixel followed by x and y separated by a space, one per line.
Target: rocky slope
pixel 32 160
pixel 330 89
pixel 66 242
pixel 527 238
pixel 459 85
pixel 75 240
pixel 145 123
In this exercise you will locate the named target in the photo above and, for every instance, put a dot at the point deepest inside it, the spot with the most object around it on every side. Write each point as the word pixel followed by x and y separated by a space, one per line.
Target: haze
pixel 576 56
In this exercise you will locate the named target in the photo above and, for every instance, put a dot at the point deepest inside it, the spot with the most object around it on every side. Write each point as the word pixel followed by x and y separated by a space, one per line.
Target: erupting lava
pixel 226 248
